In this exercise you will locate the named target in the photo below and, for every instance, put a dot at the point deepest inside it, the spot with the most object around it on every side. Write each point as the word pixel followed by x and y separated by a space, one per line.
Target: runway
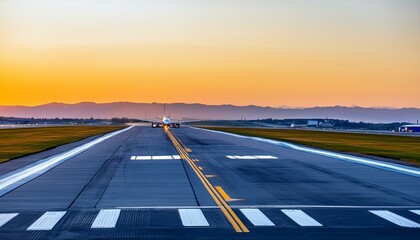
pixel 196 184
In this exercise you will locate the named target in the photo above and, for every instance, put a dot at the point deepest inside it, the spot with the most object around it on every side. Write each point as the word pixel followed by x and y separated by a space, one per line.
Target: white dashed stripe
pixel 245 157
pixel 6 217
pixel 256 217
pixel 266 157
pixel 396 219
pixel 415 211
pixel 250 157
pixel 162 157
pixel 301 218
pixel 193 218
pixel 47 221
pixel 106 218
pixel 145 158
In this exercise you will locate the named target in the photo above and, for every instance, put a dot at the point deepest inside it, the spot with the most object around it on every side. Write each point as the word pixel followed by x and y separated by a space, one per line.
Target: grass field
pixel 402 148
pixel 23 141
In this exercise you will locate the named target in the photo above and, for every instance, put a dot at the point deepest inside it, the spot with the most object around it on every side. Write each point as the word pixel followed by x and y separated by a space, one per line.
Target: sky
pixel 263 52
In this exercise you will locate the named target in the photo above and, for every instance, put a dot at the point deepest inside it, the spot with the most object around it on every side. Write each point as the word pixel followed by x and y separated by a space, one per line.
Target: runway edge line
pixel 14 179
pixel 359 160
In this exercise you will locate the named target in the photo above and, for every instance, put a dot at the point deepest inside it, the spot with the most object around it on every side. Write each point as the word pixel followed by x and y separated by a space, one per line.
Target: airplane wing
pixel 186 120
pixel 150 120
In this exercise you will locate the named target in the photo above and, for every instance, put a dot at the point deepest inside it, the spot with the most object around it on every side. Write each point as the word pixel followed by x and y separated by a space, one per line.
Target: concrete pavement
pixel 134 185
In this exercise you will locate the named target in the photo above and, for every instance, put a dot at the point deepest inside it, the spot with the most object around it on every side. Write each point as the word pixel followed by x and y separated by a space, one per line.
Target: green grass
pixel 19 142
pixel 402 148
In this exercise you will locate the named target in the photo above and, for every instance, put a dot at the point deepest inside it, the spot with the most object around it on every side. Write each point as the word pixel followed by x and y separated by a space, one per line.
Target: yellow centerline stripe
pixel 223 193
pixel 225 205
pixel 227 211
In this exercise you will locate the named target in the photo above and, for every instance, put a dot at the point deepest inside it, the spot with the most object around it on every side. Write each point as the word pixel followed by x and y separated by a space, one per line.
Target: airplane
pixel 165 122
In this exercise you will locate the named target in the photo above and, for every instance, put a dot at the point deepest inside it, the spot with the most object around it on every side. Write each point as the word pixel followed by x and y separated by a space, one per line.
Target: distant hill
pixel 207 112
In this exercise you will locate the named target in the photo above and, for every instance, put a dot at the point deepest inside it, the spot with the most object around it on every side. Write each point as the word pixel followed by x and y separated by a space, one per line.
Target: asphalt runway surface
pixel 145 183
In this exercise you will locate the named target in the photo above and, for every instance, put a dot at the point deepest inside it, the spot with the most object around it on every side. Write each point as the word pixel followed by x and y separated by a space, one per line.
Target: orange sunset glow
pixel 268 53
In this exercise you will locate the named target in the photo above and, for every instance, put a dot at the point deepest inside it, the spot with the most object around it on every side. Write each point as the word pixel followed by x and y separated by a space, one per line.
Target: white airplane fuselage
pixel 166 122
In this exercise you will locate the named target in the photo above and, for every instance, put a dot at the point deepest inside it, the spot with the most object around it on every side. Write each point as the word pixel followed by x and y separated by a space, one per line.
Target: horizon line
pixel 224 104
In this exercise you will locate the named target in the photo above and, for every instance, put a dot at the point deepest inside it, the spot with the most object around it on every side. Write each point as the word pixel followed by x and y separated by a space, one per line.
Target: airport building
pixel 409 128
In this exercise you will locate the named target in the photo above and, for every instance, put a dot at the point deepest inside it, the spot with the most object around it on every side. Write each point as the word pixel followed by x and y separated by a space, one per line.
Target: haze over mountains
pixel 207 112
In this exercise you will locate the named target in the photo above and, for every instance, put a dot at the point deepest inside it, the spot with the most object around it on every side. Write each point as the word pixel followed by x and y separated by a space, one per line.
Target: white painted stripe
pixel 170 207
pixel 396 219
pixel 301 218
pixel 365 161
pixel 166 157
pixel 6 217
pixel 162 157
pixel 245 157
pixel 265 157
pixel 21 176
pixel 133 158
pixel 106 218
pixel 322 206
pixel 276 206
pixel 415 211
pixel 47 221
pixel 256 217
pixel 252 157
pixel 193 218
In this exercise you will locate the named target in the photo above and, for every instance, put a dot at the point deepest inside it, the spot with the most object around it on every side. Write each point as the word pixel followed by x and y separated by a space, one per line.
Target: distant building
pixel 409 128
pixel 326 125
pixel 294 125
pixel 312 123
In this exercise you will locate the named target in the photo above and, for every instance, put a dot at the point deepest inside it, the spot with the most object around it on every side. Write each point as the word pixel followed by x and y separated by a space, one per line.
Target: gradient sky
pixel 269 53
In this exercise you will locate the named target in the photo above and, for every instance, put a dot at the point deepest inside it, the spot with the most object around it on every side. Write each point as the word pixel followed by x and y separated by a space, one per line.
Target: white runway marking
pixel 21 176
pixel 106 218
pixel 320 206
pixel 162 157
pixel 415 211
pixel 266 157
pixel 256 217
pixel 193 218
pixel 278 206
pixel 6 217
pixel 47 221
pixel 365 161
pixel 251 157
pixel 171 207
pixel 245 157
pixel 396 219
pixel 145 158
pixel 301 218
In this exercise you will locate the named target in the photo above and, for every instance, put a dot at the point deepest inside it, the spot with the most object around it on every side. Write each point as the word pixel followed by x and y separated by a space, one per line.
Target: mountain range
pixel 183 111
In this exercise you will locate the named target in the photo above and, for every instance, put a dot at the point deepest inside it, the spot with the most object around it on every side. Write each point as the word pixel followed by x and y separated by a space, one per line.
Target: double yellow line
pixel 234 220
